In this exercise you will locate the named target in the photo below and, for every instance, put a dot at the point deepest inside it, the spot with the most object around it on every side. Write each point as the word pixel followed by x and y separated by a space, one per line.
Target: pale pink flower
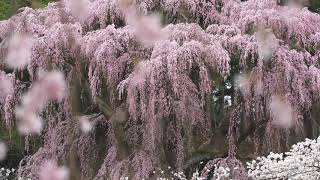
pixel 125 4
pixel 297 3
pixel 78 8
pixel 85 124
pixel 243 83
pixel 267 44
pixel 3 151
pixel 147 28
pixel 281 112
pixel 29 122
pixel 53 83
pixel 19 51
pixel 6 86
pixel 51 171
pixel 50 86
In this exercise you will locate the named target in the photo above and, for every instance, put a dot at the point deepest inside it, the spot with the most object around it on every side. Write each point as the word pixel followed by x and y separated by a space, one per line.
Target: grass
pixel 36 4
pixel 7 8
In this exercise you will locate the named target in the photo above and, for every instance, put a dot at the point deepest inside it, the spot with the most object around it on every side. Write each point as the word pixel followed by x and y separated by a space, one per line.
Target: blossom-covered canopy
pixel 150 91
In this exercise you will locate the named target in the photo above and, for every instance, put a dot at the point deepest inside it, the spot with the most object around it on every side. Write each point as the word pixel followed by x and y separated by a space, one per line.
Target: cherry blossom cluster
pixel 140 85
pixel 49 86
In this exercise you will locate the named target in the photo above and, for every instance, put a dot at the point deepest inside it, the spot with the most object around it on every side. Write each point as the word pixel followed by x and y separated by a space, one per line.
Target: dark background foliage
pixel 315 5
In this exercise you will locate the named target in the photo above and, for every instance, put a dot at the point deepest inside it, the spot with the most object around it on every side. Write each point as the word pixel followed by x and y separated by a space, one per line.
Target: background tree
pixel 223 81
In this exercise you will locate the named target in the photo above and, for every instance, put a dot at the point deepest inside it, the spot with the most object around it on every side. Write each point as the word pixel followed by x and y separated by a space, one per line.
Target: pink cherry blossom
pixel 19 51
pixel 148 28
pixel 172 80
pixel 6 86
pixel 267 44
pixel 50 86
pixel 78 8
pixel 85 125
pixel 281 112
pixel 51 171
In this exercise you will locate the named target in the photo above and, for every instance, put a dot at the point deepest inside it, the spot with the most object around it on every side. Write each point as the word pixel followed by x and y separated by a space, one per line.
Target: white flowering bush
pixel 301 162
pixel 6 174
pixel 195 176
pixel 221 172
pixel 217 173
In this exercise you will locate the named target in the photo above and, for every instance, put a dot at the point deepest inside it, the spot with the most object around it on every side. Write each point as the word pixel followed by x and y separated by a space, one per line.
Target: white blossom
pixel 281 112
pixel 85 124
pixel 19 51
pixel 51 171
pixel 301 162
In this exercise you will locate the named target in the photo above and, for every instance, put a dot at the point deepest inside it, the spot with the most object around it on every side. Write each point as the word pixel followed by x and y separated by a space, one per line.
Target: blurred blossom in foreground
pixel 243 83
pixel 281 112
pixel 19 51
pixel 85 124
pixel 78 8
pixel 51 171
pixel 30 124
pixel 125 4
pixel 54 85
pixel 148 28
pixel 50 86
pixel 267 44
pixel 6 86
pixel 3 151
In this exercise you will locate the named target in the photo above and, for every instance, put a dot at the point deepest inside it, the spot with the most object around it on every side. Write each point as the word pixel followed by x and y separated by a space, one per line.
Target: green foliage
pixel 23 3
pixel 39 3
pixel 7 8
pixel 315 5
pixel 15 147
